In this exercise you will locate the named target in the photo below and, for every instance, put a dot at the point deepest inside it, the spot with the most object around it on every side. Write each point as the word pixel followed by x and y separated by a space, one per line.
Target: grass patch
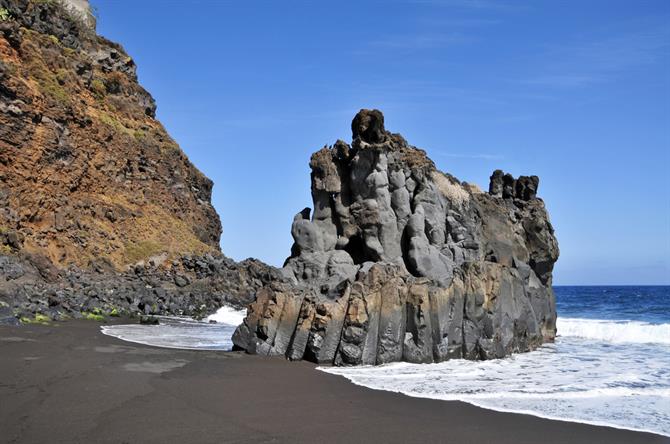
pixel 137 251
pixel 62 76
pixel 5 15
pixel 56 92
pixel 98 89
pixel 39 319
pixel 47 81
pixel 114 123
pixel 93 316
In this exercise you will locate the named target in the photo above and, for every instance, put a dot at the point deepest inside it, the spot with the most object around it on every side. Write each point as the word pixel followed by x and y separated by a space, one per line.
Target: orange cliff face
pixel 86 170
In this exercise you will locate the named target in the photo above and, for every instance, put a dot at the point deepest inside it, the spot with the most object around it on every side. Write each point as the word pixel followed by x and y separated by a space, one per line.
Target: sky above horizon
pixel 575 92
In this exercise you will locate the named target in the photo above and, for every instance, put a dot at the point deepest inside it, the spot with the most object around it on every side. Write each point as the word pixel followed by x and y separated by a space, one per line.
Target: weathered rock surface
pixel 86 170
pixel 401 262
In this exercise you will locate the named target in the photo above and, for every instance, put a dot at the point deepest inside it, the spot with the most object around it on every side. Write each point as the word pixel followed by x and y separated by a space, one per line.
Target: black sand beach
pixel 70 383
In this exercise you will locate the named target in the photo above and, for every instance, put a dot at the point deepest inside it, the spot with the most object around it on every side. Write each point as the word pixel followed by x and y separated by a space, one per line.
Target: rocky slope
pixel 101 213
pixel 86 170
pixel 400 261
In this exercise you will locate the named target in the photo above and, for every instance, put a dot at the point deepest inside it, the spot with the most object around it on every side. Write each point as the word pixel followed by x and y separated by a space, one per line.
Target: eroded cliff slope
pixel 400 261
pixel 101 213
pixel 86 171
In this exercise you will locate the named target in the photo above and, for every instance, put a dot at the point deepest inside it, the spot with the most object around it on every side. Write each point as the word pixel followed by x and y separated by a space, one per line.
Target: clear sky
pixel 577 92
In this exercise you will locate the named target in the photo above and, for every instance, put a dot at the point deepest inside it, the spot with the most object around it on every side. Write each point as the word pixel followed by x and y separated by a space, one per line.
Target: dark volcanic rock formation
pixel 400 261
pixel 32 288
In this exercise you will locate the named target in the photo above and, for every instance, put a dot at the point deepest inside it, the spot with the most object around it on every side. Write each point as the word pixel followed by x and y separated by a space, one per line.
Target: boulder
pixel 401 262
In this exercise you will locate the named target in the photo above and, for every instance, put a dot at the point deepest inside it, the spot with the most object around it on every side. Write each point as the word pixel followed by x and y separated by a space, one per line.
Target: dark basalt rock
pixel 368 125
pixel 504 185
pixel 190 286
pixel 400 261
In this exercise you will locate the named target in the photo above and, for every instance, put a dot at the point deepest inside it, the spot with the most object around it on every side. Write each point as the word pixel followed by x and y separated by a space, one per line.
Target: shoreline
pixel 512 411
pixel 68 382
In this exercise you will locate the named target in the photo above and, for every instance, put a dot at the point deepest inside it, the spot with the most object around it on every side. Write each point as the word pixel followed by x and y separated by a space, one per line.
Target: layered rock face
pixel 86 170
pixel 401 262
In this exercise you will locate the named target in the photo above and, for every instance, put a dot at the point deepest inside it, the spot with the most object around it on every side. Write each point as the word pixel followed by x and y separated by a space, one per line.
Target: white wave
pixel 228 315
pixel 614 331
pixel 586 394
pixel 183 332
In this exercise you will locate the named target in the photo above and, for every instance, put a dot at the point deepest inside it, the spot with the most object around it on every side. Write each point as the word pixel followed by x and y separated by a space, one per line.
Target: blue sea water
pixel 635 303
pixel 609 365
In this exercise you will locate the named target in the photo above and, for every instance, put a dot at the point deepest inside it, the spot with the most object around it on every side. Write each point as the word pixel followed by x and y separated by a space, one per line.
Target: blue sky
pixel 577 92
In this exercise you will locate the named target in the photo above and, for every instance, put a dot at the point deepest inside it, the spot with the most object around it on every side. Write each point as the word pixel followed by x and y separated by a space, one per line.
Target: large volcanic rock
pixel 401 262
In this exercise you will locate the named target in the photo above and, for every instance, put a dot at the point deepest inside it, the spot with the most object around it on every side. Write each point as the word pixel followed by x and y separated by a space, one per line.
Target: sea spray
pixel 183 333
pixel 227 315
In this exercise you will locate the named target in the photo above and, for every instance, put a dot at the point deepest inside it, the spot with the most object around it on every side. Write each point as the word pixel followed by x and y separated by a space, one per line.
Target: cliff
pixel 87 173
pixel 101 213
pixel 400 261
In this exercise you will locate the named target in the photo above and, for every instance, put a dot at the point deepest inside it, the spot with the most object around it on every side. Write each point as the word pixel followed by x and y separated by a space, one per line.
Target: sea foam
pixel 228 315
pixel 182 332
pixel 614 331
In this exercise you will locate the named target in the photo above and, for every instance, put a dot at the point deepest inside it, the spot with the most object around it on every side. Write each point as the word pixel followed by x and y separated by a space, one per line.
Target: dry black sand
pixel 69 383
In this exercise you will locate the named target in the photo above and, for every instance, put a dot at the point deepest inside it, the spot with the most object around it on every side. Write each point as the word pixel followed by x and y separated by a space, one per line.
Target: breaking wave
pixel 214 333
pixel 614 331
pixel 227 315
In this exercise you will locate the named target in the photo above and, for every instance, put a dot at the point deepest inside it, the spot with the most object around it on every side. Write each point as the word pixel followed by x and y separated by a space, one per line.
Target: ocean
pixel 609 365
